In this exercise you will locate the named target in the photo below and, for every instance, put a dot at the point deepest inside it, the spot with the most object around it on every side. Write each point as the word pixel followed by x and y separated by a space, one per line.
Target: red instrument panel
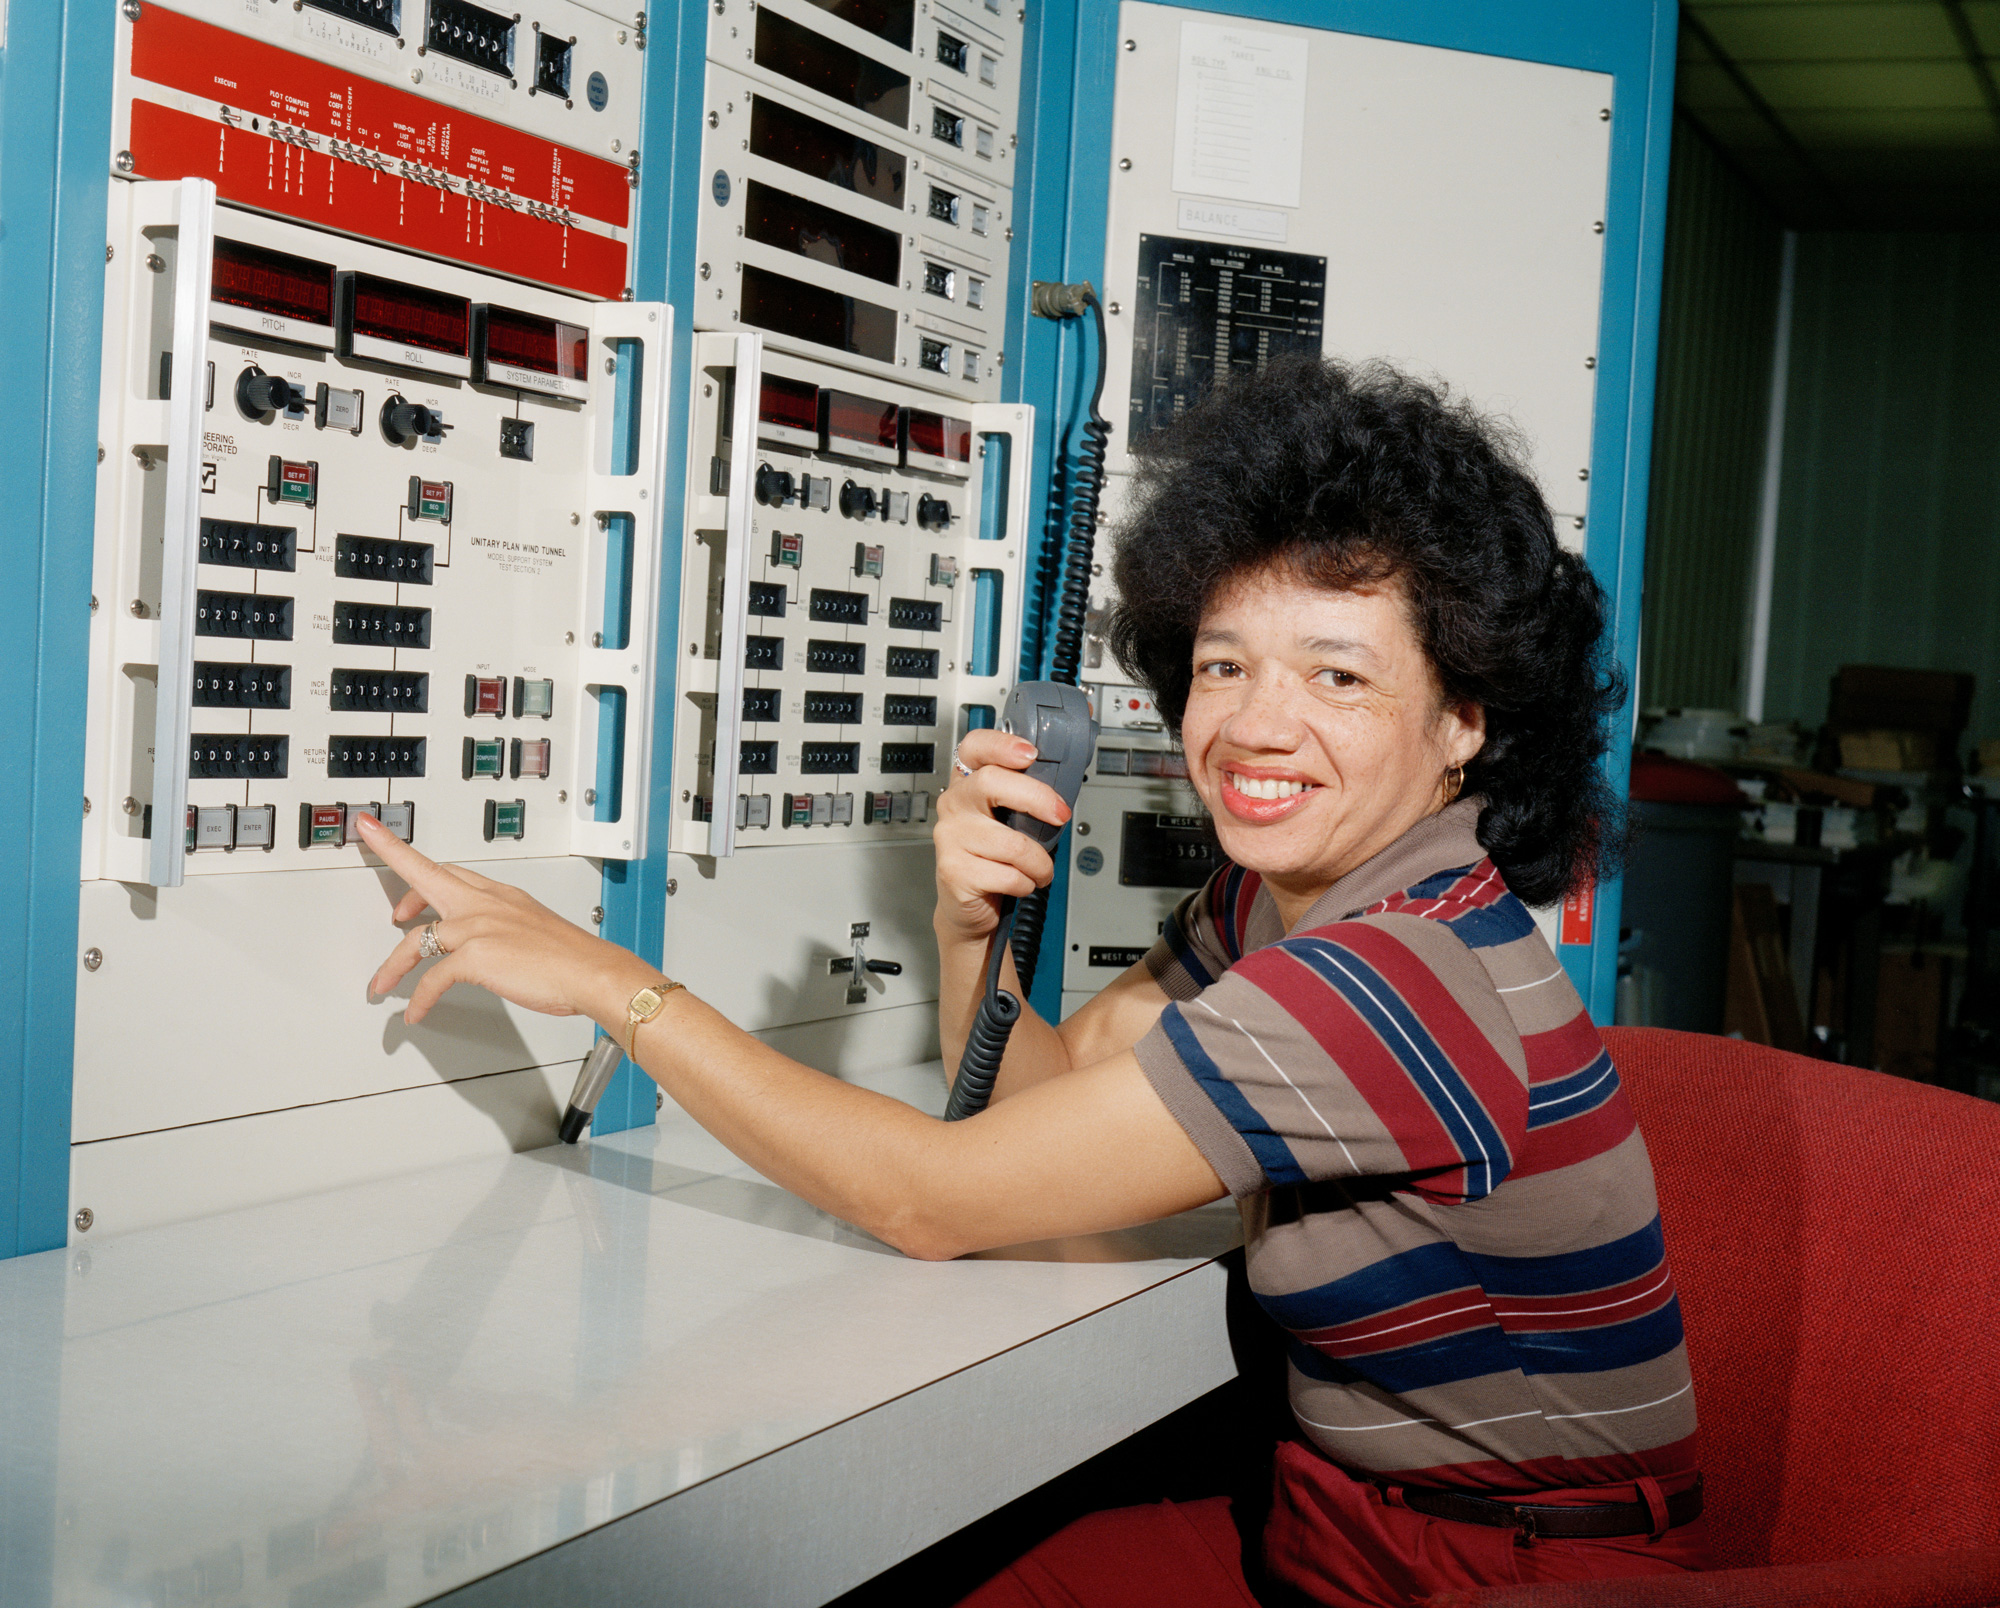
pixel 301 138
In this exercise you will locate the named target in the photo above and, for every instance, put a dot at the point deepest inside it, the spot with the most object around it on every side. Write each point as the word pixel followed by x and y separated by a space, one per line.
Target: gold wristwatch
pixel 646 1004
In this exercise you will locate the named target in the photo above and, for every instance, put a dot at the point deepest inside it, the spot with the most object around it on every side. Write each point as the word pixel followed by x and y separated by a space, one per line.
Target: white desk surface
pixel 626 1372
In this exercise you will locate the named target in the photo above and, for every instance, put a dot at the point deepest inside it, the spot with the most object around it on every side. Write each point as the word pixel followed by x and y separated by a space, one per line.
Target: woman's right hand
pixel 979 858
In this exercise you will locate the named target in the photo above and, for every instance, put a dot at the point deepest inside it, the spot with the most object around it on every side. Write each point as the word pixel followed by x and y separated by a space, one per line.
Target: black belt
pixel 1558 1523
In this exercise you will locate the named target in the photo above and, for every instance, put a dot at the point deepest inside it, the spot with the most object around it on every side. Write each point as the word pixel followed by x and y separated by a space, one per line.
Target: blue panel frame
pixel 1065 163
pixel 663 258
pixel 55 142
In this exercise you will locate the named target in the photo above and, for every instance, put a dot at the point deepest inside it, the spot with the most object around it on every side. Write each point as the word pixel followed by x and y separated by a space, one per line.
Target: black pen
pixel 590 1084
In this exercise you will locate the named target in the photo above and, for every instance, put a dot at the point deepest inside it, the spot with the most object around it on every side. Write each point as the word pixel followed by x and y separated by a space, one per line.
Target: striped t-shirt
pixel 1449 1207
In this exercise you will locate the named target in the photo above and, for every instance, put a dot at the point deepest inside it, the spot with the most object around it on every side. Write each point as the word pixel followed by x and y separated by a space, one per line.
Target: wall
pixel 1889 528
pixel 1718 316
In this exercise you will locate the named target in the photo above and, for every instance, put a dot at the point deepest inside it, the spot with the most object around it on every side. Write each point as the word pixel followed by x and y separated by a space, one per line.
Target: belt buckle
pixel 1524 1526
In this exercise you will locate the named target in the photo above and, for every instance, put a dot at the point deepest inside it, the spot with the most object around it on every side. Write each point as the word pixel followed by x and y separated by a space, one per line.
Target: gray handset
pixel 1056 718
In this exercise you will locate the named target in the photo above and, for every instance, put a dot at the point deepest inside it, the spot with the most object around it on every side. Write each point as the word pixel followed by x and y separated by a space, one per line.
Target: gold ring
pixel 428 946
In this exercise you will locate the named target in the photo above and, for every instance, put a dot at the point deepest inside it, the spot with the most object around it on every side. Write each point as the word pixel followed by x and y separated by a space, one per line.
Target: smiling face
pixel 1315 729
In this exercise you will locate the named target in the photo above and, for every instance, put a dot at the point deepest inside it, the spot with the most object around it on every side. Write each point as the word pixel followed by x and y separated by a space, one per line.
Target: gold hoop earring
pixel 1454 783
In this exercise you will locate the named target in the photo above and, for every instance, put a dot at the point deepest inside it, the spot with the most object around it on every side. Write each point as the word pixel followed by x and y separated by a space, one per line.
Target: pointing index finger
pixel 423 874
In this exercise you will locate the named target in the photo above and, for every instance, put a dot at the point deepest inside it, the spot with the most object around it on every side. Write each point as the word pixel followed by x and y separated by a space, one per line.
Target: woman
pixel 1348 601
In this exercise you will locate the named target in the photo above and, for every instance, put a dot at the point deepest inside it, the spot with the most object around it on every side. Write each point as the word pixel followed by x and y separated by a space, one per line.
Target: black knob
pixel 933 513
pixel 857 502
pixel 775 487
pixel 258 393
pixel 405 421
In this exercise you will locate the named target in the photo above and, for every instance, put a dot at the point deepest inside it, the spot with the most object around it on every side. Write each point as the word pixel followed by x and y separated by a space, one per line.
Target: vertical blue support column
pixel 55 140
pixel 636 903
pixel 1070 63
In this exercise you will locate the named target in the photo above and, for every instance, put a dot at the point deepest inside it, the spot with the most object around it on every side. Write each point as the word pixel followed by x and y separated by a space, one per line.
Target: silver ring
pixel 428 946
pixel 960 765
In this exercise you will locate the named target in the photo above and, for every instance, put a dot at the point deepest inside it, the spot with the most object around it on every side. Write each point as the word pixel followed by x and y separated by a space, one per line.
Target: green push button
pixel 484 756
pixel 506 818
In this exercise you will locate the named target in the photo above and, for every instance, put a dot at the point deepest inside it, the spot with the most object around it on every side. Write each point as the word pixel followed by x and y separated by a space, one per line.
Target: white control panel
pixel 406 580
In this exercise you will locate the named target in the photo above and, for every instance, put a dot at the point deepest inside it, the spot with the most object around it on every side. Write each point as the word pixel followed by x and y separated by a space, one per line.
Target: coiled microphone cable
pixel 1021 920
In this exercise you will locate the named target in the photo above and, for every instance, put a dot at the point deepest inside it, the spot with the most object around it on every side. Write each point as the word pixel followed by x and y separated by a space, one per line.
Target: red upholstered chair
pixel 1835 1237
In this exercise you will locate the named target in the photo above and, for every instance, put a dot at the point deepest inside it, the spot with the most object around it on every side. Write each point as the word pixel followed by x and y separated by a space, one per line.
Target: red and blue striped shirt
pixel 1449 1206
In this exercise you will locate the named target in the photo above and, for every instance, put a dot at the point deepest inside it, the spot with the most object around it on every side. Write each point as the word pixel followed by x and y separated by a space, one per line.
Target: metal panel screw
pixel 93 957
pixel 590 795
pixel 569 639
pixel 155 263
pixel 1578 522
pixel 673 886
pixel 1131 45
pixel 1083 829
pixel 597 915
pixel 1590 362
pixel 86 806
pixel 1112 308
pixel 597 639
pixel 715 120
pixel 84 1218
pixel 1583 474
pixel 132 806
pixel 704 270
pixel 1124 164
pixel 576 519
pixel 611 365
pixel 139 609
pixel 131 10
pixel 417 73
pixel 1604 114
pixel 111 251
pixel 93 602
pixel 1597 227
pixel 562 795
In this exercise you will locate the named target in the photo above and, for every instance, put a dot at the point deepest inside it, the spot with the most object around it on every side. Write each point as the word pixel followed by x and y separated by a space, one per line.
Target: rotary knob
pixel 857 502
pixel 933 513
pixel 258 393
pixel 408 421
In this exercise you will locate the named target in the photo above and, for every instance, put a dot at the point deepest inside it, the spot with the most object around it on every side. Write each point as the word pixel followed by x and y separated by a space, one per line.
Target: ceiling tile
pixel 1865 85
pixel 1984 15
pixel 1819 32
pixel 1939 131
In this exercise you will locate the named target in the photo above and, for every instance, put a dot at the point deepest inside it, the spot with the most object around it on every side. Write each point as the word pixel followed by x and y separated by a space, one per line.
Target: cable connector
pixel 1047 299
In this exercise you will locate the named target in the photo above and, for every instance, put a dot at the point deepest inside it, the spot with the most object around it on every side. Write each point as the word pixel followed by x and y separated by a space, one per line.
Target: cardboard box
pixel 1888 750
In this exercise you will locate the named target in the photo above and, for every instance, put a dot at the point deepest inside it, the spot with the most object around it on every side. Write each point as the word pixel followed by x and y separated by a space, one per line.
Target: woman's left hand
pixel 496 936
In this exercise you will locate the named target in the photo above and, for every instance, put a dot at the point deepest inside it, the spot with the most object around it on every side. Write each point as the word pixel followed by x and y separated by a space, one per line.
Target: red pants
pixel 1333 1539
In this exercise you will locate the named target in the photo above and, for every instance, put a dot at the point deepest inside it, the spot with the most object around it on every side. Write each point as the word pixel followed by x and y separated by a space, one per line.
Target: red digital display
pixel 412 316
pixel 860 418
pixel 940 437
pixel 790 404
pixel 273 282
pixel 540 345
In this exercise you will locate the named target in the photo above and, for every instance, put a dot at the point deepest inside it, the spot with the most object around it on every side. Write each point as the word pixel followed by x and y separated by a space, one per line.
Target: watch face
pixel 646 1001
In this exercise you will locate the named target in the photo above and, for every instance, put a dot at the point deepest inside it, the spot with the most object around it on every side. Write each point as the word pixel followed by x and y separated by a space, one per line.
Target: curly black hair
pixel 1356 475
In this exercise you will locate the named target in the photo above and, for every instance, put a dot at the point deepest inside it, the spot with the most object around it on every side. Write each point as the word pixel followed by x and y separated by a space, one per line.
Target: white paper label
pixel 1240 115
pixel 1243 223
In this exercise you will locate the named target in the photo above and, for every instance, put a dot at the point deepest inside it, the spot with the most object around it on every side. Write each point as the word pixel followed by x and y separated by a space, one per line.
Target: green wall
pixel 1718 317
pixel 1889 524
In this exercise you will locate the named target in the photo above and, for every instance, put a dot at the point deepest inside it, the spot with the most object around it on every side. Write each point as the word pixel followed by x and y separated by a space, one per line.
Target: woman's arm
pixel 980 860
pixel 1095 1150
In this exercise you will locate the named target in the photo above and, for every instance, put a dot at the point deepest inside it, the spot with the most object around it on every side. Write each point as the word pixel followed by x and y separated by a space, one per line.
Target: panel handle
pixel 639 496
pixel 745 354
pixel 173 711
pixel 1007 554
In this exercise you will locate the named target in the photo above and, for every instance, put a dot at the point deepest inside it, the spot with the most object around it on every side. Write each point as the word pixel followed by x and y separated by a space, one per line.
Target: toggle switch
pixel 258 393
pixel 403 420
